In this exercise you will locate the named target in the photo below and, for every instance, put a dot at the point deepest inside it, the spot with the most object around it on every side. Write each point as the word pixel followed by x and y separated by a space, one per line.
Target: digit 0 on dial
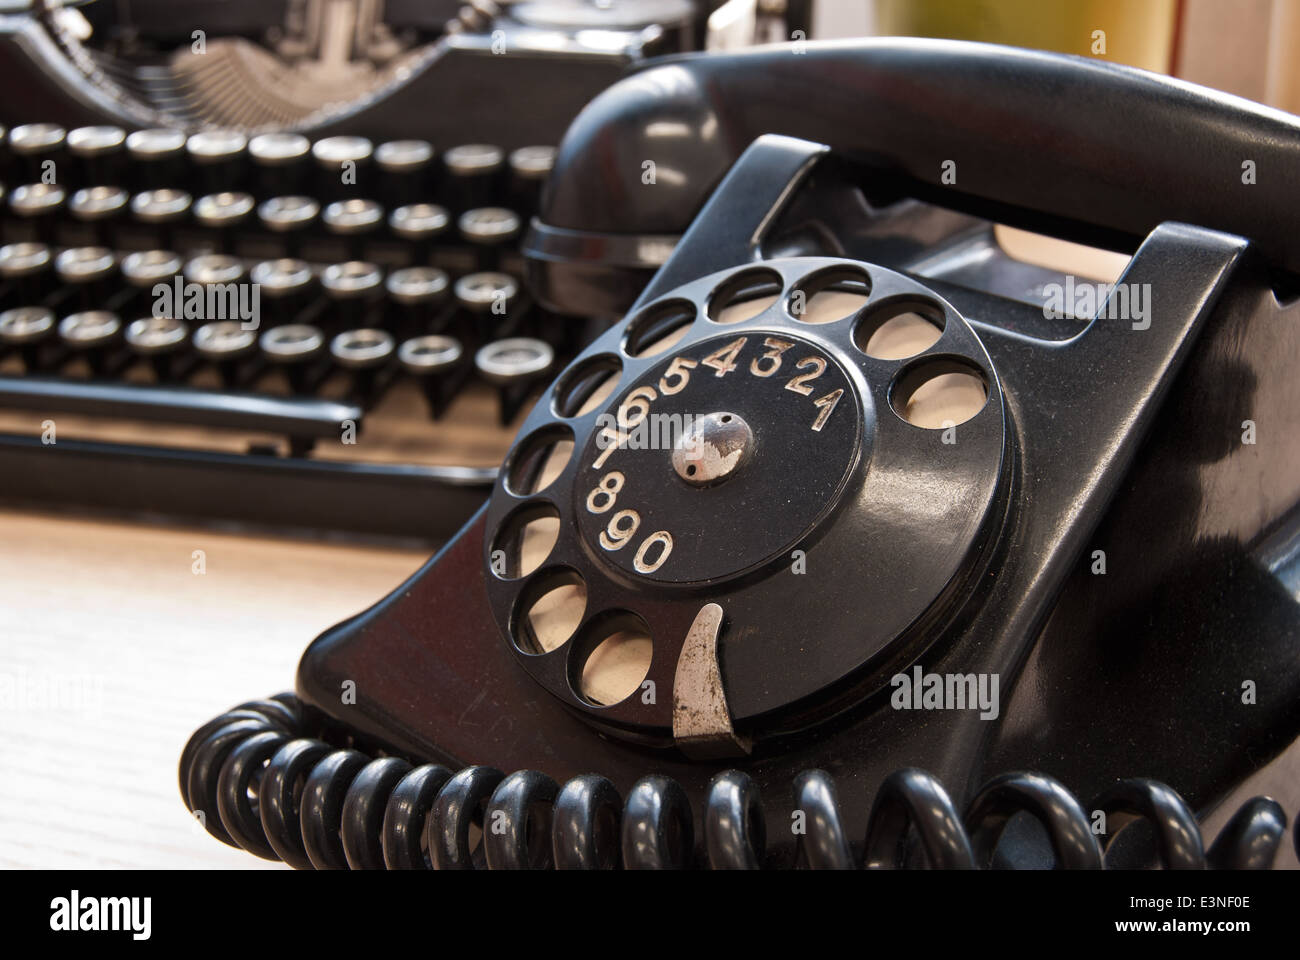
pixel 772 466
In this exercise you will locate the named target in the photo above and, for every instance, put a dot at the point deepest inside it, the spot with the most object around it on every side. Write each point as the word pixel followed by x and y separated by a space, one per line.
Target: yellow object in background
pixel 1136 32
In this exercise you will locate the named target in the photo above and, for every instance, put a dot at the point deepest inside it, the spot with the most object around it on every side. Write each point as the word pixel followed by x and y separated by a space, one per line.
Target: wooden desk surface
pixel 114 651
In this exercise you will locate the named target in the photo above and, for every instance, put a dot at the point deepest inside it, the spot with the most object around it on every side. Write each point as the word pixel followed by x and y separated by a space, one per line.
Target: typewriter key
pixel 289 217
pixel 514 365
pixel 434 361
pixel 144 268
pixel 101 208
pixel 405 168
pixel 162 209
pixel 27 331
pixel 418 295
pixel 420 225
pixel 142 271
pixel 355 221
pixel 38 205
pixel 33 146
pixel 488 303
pixel 286 286
pixel 161 342
pixel 227 344
pixel 97 155
pixel 279 163
pixel 341 166
pixel 224 295
pixel 92 335
pixel 489 229
pixel 298 350
pixel 222 213
pixel 472 175
pixel 27 272
pixel 529 168
pixel 218 156
pixel 157 159
pixel 364 353
pixel 353 290
pixel 88 274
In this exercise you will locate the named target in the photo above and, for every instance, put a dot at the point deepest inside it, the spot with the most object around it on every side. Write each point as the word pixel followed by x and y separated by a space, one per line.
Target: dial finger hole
pixel 549 611
pixel 829 295
pixel 586 386
pixel 658 328
pixel 537 461
pixel 744 296
pixel 611 658
pixel 525 540
pixel 939 393
pixel 899 329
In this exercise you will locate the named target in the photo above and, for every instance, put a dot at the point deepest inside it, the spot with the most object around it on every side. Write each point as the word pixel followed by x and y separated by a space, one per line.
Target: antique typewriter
pixel 259 261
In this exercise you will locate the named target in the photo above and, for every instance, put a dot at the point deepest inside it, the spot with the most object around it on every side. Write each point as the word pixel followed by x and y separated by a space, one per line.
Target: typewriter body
pixel 854 541
pixel 273 248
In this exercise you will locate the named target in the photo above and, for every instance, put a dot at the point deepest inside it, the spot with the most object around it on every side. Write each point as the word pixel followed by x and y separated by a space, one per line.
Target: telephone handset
pixel 864 571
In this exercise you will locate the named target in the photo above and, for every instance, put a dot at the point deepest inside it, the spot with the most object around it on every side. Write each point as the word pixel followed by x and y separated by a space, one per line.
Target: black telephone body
pixel 1104 547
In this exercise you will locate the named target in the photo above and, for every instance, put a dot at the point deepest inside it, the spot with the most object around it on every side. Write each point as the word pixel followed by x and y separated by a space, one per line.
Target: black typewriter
pixel 264 247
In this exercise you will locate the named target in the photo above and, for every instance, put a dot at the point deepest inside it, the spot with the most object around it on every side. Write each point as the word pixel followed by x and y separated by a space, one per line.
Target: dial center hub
pixel 713 448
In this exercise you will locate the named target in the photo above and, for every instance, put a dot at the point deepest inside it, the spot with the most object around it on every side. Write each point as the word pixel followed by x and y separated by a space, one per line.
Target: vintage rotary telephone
pixel 1099 537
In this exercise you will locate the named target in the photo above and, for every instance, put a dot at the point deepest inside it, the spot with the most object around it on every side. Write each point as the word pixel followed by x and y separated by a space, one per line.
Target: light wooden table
pixel 113 651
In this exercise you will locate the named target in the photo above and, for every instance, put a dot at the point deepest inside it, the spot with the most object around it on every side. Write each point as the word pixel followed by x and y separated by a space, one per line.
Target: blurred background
pixel 1244 47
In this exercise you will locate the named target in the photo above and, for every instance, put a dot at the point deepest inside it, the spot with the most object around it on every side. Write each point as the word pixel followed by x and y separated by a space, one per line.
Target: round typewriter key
pixel 156 159
pixel 341 164
pixel 514 365
pixel 162 209
pixel 529 168
pixel 472 175
pixel 364 353
pixel 362 349
pixel 38 204
pixel 434 361
pixel 161 341
pixel 101 208
pixel 353 289
pixel 88 273
pixel 286 284
pixel 289 217
pixel 222 213
pixel 489 229
pixel 97 154
pixel 279 162
pixel 98 203
pixel 224 297
pixel 34 145
pixel 219 157
pixel 214 268
pixel 405 168
pixel 27 330
pixel 144 268
pixel 27 272
pixel 417 294
pixel 355 220
pixel 487 301
pixel 91 335
pixel 226 344
pixel 297 349
pixel 419 225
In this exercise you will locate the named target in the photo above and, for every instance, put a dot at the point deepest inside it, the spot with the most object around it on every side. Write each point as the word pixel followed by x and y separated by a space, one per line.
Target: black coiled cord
pixel 286 796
